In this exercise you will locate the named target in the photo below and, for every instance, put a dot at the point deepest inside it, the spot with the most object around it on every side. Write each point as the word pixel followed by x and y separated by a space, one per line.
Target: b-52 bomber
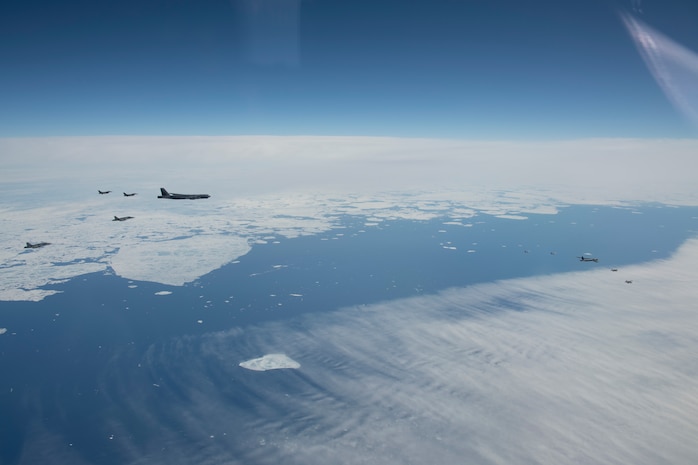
pixel 36 246
pixel 129 195
pixel 122 218
pixel 103 192
pixel 587 259
pixel 167 195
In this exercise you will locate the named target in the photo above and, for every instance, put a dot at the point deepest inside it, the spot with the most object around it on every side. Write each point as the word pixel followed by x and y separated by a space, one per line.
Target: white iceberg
pixel 270 362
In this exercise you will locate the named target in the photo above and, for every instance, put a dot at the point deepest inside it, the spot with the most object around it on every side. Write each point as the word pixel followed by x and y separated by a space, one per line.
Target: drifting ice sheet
pixel 270 362
pixel 179 261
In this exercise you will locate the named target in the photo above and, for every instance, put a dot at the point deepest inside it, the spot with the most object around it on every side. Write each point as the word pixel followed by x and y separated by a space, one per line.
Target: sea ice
pixel 270 362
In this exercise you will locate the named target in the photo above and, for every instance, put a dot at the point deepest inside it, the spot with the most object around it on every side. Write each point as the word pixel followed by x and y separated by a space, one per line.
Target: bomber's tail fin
pixel 164 192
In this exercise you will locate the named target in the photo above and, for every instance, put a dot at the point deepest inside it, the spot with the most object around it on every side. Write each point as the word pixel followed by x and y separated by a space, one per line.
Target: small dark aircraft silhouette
pixel 129 195
pixel 628 281
pixel 103 192
pixel 587 259
pixel 36 246
pixel 123 218
pixel 614 269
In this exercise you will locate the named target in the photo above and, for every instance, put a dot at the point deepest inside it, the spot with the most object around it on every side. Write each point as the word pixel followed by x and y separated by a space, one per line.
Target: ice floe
pixel 177 242
pixel 270 362
pixel 177 261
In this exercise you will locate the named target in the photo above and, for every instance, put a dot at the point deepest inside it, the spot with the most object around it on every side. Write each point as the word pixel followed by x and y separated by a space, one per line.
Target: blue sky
pixel 450 68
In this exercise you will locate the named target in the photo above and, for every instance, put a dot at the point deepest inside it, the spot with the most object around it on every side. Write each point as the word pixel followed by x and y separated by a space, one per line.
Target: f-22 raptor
pixel 103 192
pixel 129 195
pixel 167 195
pixel 122 218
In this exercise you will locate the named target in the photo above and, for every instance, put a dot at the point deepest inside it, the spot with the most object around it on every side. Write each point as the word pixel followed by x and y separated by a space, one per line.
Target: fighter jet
pixel 587 259
pixel 103 192
pixel 36 246
pixel 123 218
pixel 167 195
pixel 129 195
pixel 628 281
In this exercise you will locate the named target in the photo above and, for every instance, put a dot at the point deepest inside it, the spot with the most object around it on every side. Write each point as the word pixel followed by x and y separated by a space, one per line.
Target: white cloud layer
pixel 573 368
pixel 265 186
pixel 569 368
pixel 590 170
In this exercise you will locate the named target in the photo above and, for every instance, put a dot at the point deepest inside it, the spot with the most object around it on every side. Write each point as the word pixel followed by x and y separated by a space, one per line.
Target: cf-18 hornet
pixel 36 246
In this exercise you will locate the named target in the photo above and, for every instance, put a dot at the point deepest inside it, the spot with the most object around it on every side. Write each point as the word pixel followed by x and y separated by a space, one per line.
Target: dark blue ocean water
pixel 67 362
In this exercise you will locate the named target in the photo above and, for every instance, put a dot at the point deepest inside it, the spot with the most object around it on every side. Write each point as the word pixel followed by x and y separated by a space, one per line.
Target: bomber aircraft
pixel 167 195
pixel 587 259
pixel 103 192
pixel 122 218
pixel 129 195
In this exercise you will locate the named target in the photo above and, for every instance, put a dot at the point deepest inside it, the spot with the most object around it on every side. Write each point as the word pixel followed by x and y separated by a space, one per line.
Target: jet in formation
pixel 129 195
pixel 103 192
pixel 36 246
pixel 122 218
pixel 167 195
pixel 587 259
